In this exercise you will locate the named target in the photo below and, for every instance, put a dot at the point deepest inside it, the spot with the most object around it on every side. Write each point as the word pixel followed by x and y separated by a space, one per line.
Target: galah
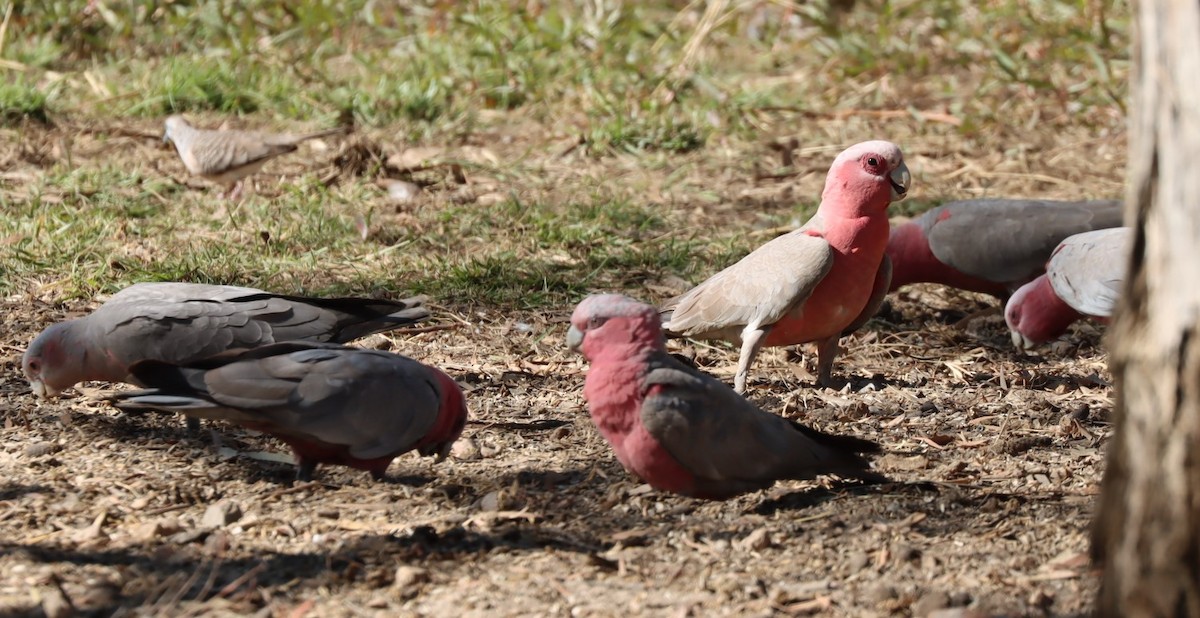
pixel 332 404
pixel 992 246
pixel 683 431
pixel 1083 279
pixel 183 322
pixel 810 284
pixel 227 156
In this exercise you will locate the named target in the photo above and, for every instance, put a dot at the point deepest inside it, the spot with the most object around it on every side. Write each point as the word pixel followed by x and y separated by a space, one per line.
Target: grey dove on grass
pixel 331 404
pixel 227 156
pixel 185 322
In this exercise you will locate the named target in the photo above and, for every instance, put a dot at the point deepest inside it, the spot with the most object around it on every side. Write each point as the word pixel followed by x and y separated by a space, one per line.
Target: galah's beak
pixel 42 391
pixel 1021 342
pixel 574 338
pixel 901 180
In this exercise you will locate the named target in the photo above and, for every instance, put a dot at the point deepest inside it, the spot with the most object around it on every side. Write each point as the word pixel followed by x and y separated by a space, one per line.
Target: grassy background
pixel 623 144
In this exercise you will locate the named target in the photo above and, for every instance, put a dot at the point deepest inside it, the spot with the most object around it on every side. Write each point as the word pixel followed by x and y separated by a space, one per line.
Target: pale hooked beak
pixel 574 338
pixel 901 180
pixel 1021 342
pixel 42 391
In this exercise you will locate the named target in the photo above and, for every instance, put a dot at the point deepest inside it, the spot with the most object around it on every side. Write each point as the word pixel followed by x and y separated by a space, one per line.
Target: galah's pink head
pixel 614 326
pixel 1035 314
pixel 864 179
pixel 451 419
pixel 53 361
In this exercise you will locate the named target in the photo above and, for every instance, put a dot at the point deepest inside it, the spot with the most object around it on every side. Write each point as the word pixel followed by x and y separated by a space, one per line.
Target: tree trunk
pixel 1147 534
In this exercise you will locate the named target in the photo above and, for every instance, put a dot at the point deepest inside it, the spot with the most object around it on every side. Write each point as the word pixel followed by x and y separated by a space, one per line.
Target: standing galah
pixel 810 284
pixel 331 404
pixel 991 246
pixel 683 431
pixel 1083 279
pixel 183 322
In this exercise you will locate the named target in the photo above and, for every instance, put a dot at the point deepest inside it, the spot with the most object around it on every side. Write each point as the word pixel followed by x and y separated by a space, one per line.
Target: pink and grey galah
pixel 332 404
pixel 183 322
pixel 811 284
pixel 992 246
pixel 683 431
pixel 1083 279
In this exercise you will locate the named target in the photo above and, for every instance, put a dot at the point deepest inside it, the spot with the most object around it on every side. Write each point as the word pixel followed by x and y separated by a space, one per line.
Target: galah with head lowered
pixel 992 246
pixel 1083 279
pixel 183 322
pixel 810 284
pixel 683 431
pixel 331 404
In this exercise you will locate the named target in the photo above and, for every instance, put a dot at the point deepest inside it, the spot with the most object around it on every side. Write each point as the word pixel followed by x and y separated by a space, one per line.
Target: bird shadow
pixel 809 498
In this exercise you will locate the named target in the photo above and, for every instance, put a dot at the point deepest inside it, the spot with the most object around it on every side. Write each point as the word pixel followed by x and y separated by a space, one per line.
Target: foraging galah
pixel 992 246
pixel 1083 279
pixel 183 322
pixel 683 431
pixel 226 156
pixel 331 404
pixel 810 284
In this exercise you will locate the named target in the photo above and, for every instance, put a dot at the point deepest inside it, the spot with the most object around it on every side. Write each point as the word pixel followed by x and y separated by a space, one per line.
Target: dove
pixel 685 432
pixel 991 246
pixel 183 322
pixel 332 404
pixel 226 156
pixel 1083 279
pixel 811 284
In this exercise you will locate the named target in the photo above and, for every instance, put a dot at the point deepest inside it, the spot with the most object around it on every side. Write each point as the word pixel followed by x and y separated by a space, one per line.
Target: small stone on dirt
pixel 401 191
pixel 56 605
pixel 37 449
pixel 929 603
pixel 408 580
pixel 465 450
pixel 221 514
pixel 755 541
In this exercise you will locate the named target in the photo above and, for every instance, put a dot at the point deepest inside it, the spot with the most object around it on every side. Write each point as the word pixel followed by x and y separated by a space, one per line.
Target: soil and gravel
pixel 996 455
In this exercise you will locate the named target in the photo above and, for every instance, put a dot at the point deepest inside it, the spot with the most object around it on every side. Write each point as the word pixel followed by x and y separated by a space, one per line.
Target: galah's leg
pixel 827 350
pixel 752 339
pixel 193 424
pixel 304 469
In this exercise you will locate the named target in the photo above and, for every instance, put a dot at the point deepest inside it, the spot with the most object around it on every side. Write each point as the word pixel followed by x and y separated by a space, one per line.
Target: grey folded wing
pixel 375 403
pixel 180 323
pixel 1010 240
pixel 728 442
pixel 759 289
pixel 220 152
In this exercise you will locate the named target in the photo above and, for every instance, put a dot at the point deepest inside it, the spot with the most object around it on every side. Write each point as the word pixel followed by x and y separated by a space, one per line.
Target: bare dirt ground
pixel 996 458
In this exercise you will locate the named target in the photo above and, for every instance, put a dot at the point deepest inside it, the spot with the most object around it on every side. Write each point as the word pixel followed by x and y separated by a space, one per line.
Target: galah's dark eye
pixel 595 322
pixel 872 161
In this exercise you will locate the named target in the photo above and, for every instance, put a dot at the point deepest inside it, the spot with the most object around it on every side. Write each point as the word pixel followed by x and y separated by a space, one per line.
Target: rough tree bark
pixel 1147 534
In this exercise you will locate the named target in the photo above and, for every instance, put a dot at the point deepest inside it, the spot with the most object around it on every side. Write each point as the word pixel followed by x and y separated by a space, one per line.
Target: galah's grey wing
pixel 1010 240
pixel 759 289
pixel 727 441
pixel 375 403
